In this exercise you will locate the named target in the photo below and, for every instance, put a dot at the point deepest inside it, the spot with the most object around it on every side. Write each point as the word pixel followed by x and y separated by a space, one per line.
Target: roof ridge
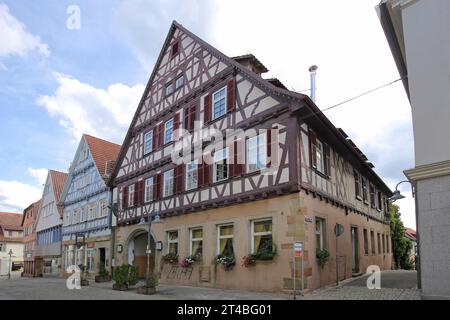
pixel 91 136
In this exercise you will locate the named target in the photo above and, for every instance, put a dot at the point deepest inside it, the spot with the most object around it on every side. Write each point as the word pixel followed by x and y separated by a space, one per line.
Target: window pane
pixel 226 247
pixel 263 243
pixel 263 226
pixel 197 248
pixel 226 230
pixel 173 247
pixel 173 235
pixel 197 234
pixel 219 103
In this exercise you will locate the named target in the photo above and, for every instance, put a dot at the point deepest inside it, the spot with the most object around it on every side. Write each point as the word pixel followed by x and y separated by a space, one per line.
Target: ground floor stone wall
pixel 292 217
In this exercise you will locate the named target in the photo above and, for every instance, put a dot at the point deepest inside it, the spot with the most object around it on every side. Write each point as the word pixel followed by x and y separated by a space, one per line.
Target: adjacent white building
pixel 418 32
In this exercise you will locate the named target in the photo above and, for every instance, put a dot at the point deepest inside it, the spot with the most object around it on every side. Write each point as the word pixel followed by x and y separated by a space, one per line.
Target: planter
pixel 146 290
pixel 120 287
pixel 84 282
pixel 102 278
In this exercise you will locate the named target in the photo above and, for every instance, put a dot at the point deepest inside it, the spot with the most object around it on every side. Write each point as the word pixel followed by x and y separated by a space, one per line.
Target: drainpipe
pixel 112 228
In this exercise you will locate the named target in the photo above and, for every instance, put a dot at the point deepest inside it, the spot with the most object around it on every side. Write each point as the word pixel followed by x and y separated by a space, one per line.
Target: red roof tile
pixel 410 233
pixel 58 180
pixel 10 221
pixel 104 153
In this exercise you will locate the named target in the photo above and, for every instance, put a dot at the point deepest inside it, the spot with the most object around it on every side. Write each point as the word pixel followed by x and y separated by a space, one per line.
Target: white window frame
pixel 90 254
pixel 131 187
pixel 148 137
pixel 319 232
pixel 148 186
pixel 214 103
pixel 191 239
pixel 220 237
pixel 103 207
pixel 169 241
pixel 191 173
pixel 168 176
pixel 265 233
pixel 259 153
pixel 320 156
pixel 166 130
pixel 169 85
pixel 221 155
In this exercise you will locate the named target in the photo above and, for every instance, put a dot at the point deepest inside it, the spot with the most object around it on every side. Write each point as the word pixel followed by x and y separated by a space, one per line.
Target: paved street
pixel 396 285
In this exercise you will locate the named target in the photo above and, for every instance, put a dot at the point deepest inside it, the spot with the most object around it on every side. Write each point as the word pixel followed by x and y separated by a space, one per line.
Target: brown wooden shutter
pixel 269 147
pixel 161 134
pixel 327 160
pixel 136 193
pixel 141 191
pixel 205 173
pixel 155 187
pixel 187 113
pixel 230 95
pixel 312 149
pixel 200 173
pixel 155 138
pixel 207 108
pixel 125 197
pixel 237 168
pixel 176 124
pixel 179 178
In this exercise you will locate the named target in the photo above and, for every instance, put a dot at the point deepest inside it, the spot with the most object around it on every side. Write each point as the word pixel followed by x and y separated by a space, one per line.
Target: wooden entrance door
pixel 141 263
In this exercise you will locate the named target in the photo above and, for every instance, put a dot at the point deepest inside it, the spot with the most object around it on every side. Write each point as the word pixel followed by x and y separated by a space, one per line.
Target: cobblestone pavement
pixel 352 289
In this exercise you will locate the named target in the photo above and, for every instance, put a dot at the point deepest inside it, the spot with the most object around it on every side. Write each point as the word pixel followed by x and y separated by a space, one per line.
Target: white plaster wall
pixel 426 25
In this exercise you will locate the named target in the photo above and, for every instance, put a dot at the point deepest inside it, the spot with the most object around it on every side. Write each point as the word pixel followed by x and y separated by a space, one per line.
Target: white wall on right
pixel 426 26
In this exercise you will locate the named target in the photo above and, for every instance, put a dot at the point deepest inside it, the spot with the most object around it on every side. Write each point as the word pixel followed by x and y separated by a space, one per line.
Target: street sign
pixel 338 229
pixel 298 248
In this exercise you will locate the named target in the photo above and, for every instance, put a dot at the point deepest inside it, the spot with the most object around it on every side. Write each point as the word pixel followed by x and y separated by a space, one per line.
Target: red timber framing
pixel 251 103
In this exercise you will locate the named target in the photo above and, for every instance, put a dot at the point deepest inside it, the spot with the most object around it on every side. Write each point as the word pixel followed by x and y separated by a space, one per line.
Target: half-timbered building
pixel 29 237
pixel 87 220
pixel 238 167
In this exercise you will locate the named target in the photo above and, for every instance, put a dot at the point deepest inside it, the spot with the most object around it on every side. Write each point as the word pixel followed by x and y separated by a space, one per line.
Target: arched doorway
pixel 137 245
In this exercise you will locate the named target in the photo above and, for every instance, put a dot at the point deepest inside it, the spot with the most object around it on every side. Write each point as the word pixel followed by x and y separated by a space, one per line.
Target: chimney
pixel 251 63
pixel 312 73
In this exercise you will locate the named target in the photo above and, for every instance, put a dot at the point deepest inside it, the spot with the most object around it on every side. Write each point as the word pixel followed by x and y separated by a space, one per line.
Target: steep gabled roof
pixel 10 221
pixel 35 206
pixel 58 180
pixel 104 153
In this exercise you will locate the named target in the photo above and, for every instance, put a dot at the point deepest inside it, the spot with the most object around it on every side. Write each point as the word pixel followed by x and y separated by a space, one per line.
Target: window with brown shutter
pixel 124 197
pixel 230 95
pixel 312 149
pixel 141 190
pixel 238 166
pixel 156 186
pixel 176 125
pixel 175 49
pixel 200 173
pixel 269 148
pixel 190 117
pixel 207 174
pixel 161 134
pixel 155 138
pixel 207 108
pixel 136 194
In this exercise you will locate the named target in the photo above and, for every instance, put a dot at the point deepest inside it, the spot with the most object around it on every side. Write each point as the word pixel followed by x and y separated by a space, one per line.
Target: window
pixel 372 241
pixel 384 242
pixel 379 242
pixel 148 142
pixel 256 153
pixel 103 208
pixel 10 233
pixel 221 164
pixel 168 183
pixel 358 187
pixel 148 193
pixel 2 247
pixel 179 82
pixel 84 213
pixel 196 242
pixel 261 236
pixel 172 242
pixel 191 175
pixel 131 195
pixel 168 131
pixel 225 240
pixel 387 244
pixel 372 195
pixel 67 219
pixel 366 242
pixel 175 49
pixel 364 190
pixel 169 89
pixel 320 158
pixel 219 103
pixel 320 233
pixel 90 260
pixel 79 257
pixel 379 201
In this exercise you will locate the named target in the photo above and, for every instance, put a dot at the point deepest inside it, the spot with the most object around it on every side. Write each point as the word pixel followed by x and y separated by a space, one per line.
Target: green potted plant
pixel 171 258
pixel 266 252
pixel 228 262
pixel 150 285
pixel 103 274
pixel 322 256
pixel 133 275
pixel 120 278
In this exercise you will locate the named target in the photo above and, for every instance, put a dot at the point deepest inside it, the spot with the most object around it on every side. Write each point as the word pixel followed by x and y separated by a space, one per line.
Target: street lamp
pixel 10 253
pixel 397 195
pixel 148 252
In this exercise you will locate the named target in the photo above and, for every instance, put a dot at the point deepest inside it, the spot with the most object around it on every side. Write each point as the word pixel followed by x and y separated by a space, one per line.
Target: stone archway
pixel 136 251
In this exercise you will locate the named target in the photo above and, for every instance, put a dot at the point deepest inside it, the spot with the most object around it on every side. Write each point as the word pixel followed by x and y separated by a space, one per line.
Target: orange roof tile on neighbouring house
pixel 410 233
pixel 104 153
pixel 58 181
pixel 10 221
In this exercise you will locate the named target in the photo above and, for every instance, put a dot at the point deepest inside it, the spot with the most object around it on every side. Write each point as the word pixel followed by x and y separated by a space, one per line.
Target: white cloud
pixel 14 38
pixel 16 196
pixel 82 108
pixel 39 174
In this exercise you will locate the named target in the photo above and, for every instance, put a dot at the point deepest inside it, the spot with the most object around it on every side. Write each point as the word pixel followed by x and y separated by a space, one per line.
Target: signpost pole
pixel 293 264
pixel 337 262
pixel 303 273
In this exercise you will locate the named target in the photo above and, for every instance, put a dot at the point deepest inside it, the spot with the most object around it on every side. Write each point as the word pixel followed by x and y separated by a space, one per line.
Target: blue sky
pixel 56 83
